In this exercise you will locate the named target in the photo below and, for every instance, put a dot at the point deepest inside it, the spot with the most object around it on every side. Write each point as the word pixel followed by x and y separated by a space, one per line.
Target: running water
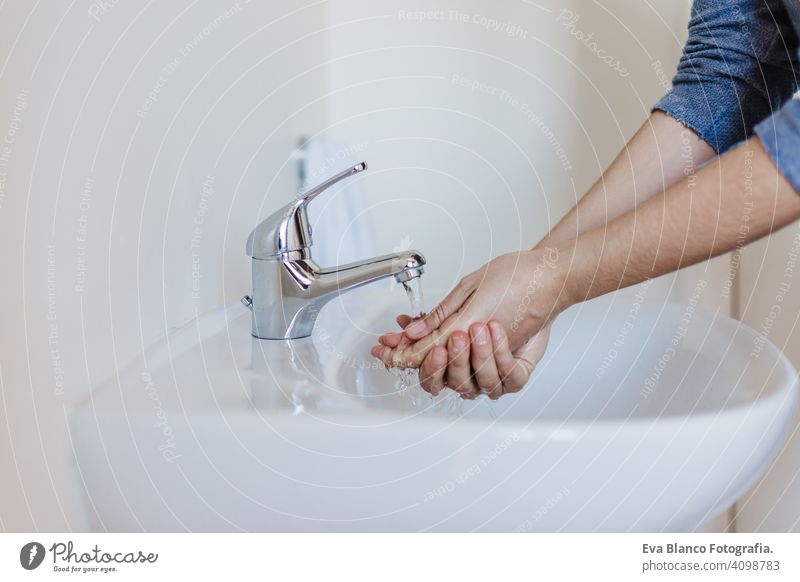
pixel 416 298
pixel 448 402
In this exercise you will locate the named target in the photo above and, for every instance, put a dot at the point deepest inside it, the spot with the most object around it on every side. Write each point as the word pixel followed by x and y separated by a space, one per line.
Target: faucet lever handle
pixel 288 230
pixel 317 190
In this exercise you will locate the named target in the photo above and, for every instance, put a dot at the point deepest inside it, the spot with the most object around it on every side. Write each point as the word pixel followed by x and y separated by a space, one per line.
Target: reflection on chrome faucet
pixel 289 288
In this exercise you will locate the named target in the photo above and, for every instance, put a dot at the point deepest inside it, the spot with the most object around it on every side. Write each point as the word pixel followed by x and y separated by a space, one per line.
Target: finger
pixel 482 358
pixel 431 374
pixel 448 306
pixel 377 352
pixel 412 356
pixel 513 373
pixel 415 351
pixel 411 353
pixel 384 354
pixel 395 338
pixel 459 371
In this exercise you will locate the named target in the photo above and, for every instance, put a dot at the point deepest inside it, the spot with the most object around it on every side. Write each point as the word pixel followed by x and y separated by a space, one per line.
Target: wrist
pixel 570 274
pixel 550 275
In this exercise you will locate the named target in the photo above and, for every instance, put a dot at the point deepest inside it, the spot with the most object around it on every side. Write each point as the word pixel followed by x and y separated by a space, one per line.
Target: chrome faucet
pixel 289 288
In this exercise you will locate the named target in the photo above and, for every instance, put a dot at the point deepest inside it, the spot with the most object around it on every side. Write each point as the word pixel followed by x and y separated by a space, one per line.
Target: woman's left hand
pixel 480 362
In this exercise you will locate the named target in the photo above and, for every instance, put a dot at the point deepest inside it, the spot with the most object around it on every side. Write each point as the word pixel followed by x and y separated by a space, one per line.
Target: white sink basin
pixel 631 422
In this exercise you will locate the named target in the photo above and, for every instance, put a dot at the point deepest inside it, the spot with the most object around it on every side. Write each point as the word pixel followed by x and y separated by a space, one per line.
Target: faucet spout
pixel 289 294
pixel 402 266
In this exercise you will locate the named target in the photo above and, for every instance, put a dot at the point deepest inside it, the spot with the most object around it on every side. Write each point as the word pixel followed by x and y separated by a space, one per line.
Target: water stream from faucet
pixel 448 402
pixel 416 298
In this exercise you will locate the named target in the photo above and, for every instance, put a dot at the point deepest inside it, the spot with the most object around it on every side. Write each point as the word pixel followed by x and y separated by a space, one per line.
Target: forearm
pixel 659 155
pixel 727 204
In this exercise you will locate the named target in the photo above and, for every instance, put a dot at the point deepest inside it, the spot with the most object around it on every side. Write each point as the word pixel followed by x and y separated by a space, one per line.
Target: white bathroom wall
pixel 147 140
pixel 770 303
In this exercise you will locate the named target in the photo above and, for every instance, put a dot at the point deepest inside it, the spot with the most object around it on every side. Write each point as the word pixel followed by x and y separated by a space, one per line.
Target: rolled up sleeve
pixel 738 67
pixel 780 136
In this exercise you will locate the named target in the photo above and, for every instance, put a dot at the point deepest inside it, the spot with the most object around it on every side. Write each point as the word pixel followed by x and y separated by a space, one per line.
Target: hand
pixel 481 362
pixel 522 291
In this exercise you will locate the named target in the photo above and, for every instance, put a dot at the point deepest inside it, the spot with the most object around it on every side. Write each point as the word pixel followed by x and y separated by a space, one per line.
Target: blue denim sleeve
pixel 737 67
pixel 780 136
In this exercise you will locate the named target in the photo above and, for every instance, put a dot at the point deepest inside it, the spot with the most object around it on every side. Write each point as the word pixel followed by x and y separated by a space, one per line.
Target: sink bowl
pixel 641 417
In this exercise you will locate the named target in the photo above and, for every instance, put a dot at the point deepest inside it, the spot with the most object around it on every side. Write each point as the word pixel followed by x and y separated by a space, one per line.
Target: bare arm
pixel 661 153
pixel 741 199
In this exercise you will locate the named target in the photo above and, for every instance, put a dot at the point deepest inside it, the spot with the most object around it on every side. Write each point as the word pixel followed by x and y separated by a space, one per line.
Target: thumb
pixel 437 316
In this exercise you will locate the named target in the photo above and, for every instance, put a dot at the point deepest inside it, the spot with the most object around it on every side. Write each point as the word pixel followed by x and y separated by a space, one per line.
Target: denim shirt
pixel 737 75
